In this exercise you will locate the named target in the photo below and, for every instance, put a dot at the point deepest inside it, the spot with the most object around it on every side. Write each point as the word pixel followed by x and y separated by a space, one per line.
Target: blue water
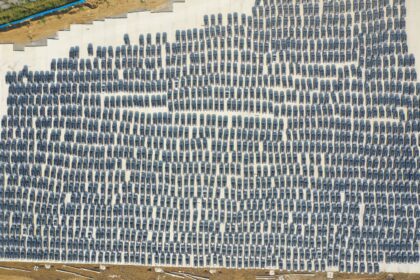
pixel 41 14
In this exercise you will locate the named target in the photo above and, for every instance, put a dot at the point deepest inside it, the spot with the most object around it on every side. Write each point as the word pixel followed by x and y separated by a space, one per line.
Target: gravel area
pixel 5 4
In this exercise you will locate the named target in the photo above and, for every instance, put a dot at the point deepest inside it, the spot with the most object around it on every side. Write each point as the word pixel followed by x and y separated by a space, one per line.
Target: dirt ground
pixel 27 272
pixel 47 26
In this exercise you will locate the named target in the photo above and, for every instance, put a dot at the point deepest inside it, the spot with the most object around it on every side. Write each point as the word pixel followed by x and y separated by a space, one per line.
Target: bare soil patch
pixel 130 272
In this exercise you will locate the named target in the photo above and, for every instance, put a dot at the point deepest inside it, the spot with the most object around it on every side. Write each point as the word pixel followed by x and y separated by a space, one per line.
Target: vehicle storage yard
pixel 357 242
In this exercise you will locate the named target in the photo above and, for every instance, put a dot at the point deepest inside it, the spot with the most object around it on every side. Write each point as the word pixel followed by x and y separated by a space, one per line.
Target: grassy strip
pixel 28 8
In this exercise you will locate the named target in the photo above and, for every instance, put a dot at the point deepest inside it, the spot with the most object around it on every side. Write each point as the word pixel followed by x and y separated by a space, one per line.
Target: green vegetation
pixel 28 8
